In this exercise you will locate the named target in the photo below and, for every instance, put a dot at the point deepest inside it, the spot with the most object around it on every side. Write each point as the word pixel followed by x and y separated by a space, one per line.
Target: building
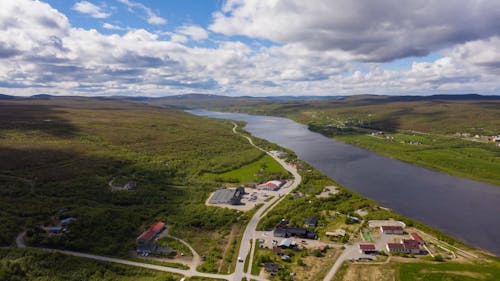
pixel 392 229
pixel 311 222
pixel 407 246
pixel 231 196
pixel 279 154
pixel 277 250
pixel 272 267
pixel 293 232
pixel 417 238
pixel 150 235
pixel 286 243
pixel 396 248
pixel 336 233
pixel 65 222
pixel 367 249
pixel 271 185
pixel 411 246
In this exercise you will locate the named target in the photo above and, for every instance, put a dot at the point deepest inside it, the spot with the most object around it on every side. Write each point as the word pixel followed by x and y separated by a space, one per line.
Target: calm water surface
pixel 466 209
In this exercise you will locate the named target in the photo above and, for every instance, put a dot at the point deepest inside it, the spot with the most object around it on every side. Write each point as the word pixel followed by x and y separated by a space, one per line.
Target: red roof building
pixel 417 238
pixel 151 233
pixel 367 249
pixel 391 229
pixel 396 248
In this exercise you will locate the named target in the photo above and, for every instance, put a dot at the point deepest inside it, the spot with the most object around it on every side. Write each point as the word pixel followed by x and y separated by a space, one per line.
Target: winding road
pixel 250 234
pixel 247 248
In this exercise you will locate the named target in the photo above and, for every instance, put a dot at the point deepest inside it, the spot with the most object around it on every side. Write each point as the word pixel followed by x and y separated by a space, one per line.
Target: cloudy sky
pixel 252 47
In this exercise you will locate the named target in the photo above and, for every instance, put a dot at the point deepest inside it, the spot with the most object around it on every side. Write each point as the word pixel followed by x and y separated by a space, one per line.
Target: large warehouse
pixel 231 196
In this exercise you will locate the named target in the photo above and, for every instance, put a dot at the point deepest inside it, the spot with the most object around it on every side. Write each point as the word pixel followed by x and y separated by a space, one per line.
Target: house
pixel 336 233
pixel 279 154
pixel 407 246
pixel 353 219
pixel 277 250
pixel 231 196
pixel 417 238
pixel 65 222
pixel 272 267
pixel 311 222
pixel 367 249
pixel 271 185
pixel 150 235
pixel 392 229
pixel 286 243
pixel 411 246
pixel 285 258
pixel 293 232
pixel 396 248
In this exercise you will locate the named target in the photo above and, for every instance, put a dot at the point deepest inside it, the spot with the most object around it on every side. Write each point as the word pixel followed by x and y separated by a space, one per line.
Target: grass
pixel 479 161
pixel 265 168
pixel 32 264
pixel 436 118
pixel 424 271
pixel 60 154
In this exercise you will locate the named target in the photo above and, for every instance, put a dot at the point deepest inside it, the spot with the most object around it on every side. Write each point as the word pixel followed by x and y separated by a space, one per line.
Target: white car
pixel 240 259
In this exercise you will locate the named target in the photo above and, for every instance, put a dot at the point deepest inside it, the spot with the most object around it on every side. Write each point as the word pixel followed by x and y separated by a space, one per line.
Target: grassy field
pixel 436 119
pixel 421 271
pixel 261 170
pixel 31 265
pixel 58 156
pixel 451 155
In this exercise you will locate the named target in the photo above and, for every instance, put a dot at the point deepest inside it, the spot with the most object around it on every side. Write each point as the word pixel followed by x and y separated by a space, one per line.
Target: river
pixel 465 209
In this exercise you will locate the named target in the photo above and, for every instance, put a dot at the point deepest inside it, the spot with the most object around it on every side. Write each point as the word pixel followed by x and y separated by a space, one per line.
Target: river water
pixel 465 209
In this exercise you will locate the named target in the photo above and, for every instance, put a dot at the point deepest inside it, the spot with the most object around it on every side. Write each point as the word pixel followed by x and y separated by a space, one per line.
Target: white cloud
pixel 112 26
pixel 90 9
pixel 152 17
pixel 195 32
pixel 366 30
pixel 41 52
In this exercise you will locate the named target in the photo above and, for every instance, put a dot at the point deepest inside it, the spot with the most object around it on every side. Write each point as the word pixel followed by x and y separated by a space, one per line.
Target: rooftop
pixel 152 231
pixel 369 247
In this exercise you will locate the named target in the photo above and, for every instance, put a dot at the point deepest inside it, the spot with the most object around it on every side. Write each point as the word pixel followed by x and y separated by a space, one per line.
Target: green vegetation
pixel 259 171
pixel 449 271
pixel 179 247
pixel 59 155
pixel 31 264
pixel 480 161
pixel 446 126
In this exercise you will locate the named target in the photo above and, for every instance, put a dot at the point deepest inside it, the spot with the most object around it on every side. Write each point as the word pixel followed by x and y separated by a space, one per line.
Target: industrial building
pixel 231 196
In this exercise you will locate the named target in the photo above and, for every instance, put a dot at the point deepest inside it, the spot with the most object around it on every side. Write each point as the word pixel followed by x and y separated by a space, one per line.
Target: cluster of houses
pixel 145 242
pixel 405 246
pixel 283 230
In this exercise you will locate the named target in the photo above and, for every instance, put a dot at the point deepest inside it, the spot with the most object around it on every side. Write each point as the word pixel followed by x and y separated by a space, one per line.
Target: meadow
pixel 59 155
pixel 441 121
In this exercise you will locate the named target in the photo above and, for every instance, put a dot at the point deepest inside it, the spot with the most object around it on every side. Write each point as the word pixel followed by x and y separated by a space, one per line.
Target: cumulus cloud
pixel 110 26
pixel 90 9
pixel 40 51
pixel 152 17
pixel 195 32
pixel 366 30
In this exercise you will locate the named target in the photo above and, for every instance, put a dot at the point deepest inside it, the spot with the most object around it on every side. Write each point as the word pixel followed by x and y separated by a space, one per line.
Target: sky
pixel 252 47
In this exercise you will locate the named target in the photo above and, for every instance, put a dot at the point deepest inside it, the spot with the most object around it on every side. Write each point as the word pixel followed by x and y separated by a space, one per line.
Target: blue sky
pixel 238 47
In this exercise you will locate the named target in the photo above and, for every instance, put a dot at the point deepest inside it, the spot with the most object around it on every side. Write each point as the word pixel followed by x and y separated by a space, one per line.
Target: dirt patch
pixel 315 268
pixel 369 273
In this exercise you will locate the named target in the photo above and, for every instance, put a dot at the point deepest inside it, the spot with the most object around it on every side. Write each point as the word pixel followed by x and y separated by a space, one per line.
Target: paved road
pixel 350 252
pixel 245 248
pixel 251 229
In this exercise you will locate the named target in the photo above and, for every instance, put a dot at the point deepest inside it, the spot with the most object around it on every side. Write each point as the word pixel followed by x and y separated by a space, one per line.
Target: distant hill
pixel 6 97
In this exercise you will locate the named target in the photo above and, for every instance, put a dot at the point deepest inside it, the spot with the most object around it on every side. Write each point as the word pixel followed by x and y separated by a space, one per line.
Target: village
pixel 342 237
